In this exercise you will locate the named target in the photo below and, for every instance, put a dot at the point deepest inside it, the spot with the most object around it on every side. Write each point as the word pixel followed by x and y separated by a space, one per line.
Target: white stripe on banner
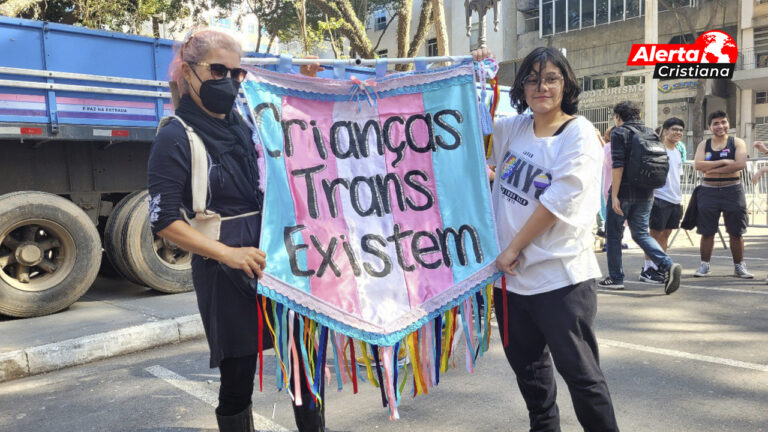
pixel 387 296
pixel 98 109
pixel 22 105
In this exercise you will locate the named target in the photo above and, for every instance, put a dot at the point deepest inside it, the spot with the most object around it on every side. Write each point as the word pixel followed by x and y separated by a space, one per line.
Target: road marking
pixel 674 254
pixel 686 286
pixel 680 354
pixel 206 395
pixel 685 355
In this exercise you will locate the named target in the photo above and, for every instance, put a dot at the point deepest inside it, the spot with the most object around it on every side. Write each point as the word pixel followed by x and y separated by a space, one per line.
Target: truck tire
pixel 49 253
pixel 114 231
pixel 158 263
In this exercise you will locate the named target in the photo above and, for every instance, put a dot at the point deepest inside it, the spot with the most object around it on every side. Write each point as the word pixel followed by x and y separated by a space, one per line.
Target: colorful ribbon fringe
pixel 428 351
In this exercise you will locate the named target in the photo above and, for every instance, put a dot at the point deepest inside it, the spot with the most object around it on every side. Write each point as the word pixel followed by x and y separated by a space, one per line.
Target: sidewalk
pixel 114 317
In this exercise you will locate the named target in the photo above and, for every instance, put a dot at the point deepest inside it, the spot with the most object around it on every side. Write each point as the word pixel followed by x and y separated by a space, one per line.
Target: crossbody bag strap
pixel 199 166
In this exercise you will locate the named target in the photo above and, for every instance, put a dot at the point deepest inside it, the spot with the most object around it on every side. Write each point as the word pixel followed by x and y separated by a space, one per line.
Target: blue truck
pixel 78 111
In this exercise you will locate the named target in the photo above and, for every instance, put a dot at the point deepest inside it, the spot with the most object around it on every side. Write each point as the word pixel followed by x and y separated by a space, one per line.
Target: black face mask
pixel 218 95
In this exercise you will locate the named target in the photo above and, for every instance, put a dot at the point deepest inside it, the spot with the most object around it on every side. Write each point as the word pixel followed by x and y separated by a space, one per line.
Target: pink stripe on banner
pixel 340 291
pixel 21 97
pixel 100 102
pixel 422 283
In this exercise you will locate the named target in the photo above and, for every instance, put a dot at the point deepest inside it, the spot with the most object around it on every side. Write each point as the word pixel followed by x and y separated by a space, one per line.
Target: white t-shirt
pixel 563 174
pixel 671 190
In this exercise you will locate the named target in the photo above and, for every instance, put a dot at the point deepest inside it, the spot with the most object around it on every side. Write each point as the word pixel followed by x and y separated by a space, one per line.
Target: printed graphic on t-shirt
pixel 522 180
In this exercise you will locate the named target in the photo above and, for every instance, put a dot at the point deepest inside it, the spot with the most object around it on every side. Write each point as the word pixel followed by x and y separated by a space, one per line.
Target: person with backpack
pixel 640 164
pixel 667 210
pixel 720 159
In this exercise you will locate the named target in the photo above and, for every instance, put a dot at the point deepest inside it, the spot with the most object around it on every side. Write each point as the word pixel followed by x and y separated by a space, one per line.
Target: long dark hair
pixel 540 56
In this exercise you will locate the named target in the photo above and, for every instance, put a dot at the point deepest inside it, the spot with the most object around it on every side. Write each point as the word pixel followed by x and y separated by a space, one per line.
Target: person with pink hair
pixel 226 261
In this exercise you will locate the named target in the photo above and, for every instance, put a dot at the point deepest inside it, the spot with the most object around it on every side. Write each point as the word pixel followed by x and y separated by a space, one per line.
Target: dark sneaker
pixel 672 278
pixel 610 284
pixel 651 276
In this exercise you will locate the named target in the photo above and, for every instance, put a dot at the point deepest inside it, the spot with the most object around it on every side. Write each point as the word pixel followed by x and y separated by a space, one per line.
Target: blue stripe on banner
pixel 458 209
pixel 278 211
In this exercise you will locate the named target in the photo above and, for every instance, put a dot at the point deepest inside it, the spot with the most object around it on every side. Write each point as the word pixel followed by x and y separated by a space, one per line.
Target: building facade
pixel 597 36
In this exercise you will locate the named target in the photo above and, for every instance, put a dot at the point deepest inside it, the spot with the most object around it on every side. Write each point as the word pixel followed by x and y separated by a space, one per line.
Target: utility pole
pixel 651 102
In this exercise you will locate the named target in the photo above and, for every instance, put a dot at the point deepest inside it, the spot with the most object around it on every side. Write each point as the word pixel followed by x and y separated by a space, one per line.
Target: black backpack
pixel 648 161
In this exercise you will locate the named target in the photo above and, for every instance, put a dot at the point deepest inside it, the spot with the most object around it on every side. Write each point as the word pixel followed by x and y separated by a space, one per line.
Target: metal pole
pixel 355 62
pixel 651 101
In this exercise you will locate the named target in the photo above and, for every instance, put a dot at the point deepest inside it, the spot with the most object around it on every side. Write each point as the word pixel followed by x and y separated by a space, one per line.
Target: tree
pixel 115 15
pixel 682 14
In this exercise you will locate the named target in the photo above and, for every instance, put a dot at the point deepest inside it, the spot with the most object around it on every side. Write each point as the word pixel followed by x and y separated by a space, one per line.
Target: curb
pixel 86 349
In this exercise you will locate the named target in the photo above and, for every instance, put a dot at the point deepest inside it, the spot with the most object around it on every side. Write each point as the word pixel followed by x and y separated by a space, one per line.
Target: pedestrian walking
pixel 720 159
pixel 635 151
pixel 226 211
pixel 546 195
pixel 667 209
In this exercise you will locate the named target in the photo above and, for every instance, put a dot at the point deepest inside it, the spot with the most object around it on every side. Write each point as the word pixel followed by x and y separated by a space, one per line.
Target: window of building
pixel 601 14
pixel 633 80
pixel 598 83
pixel 382 53
pixel 547 17
pixel 251 29
pixel 588 13
pixel 560 14
pixel 761 97
pixel 379 19
pixel 613 81
pixel 557 16
pixel 531 19
pixel 432 47
pixel 761 120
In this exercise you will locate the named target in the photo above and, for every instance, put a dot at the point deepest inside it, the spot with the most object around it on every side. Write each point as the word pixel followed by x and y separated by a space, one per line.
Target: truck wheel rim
pixel 36 255
pixel 170 254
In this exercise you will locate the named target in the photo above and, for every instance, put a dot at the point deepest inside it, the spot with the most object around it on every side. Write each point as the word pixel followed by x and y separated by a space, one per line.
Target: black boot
pixel 240 422
pixel 309 420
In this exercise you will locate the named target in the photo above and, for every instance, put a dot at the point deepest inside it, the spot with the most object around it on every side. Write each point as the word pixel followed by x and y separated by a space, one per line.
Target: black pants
pixel 236 390
pixel 559 322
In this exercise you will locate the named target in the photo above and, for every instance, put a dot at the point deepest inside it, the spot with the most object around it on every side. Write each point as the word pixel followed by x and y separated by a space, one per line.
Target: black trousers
pixel 559 322
pixel 236 390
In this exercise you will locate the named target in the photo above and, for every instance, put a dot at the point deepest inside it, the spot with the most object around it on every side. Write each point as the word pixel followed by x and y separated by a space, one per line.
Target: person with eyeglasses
pixel 632 203
pixel 667 209
pixel 545 197
pixel 226 260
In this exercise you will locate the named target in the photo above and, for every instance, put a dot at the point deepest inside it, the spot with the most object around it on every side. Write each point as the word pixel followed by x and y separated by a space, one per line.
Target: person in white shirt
pixel 667 209
pixel 546 194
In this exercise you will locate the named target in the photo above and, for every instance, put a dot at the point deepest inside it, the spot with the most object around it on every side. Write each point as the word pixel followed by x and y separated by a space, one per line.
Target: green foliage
pixel 115 15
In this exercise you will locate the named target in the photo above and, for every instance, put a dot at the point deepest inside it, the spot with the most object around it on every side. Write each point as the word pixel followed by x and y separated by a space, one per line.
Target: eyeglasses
pixel 676 130
pixel 219 71
pixel 532 82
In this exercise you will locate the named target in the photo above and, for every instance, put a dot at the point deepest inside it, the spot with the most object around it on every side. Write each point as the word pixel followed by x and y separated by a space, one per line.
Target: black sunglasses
pixel 219 71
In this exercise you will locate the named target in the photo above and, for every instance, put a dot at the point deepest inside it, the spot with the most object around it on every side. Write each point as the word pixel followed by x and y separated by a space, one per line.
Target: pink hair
pixel 195 48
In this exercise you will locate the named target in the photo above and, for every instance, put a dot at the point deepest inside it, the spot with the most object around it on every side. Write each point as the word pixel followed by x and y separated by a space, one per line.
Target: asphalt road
pixel 693 361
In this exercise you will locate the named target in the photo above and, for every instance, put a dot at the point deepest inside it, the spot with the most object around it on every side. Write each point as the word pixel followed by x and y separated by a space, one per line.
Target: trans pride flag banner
pixel 377 220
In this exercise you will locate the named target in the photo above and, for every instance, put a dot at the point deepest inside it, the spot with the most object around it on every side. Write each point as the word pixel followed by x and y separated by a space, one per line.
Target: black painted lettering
pixel 419 251
pixel 395 238
pixel 319 140
pixel 288 142
pixel 400 148
pixel 420 188
pixel 448 128
pixel 307 173
pixel 257 122
pixel 293 251
pixel 362 135
pixel 329 187
pixel 382 184
pixel 336 142
pixel 351 256
pixel 411 140
pixel 354 189
pixel 458 241
pixel 378 253
pixel 327 256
